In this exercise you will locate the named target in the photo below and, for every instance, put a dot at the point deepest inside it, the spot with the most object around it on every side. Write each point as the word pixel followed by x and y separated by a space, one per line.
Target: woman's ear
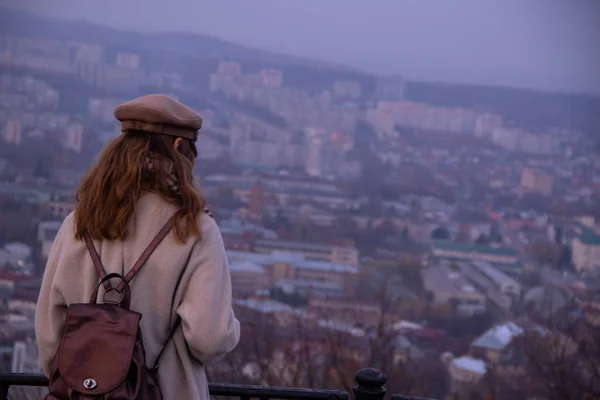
pixel 177 143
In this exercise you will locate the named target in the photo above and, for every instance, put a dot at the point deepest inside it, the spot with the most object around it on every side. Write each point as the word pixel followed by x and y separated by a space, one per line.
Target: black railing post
pixel 4 390
pixel 370 384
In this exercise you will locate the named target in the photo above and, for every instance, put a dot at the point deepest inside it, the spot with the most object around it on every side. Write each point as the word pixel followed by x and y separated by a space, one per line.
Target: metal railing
pixel 370 385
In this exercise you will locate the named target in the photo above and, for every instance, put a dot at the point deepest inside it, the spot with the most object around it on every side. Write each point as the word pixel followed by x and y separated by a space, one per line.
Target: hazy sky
pixel 545 44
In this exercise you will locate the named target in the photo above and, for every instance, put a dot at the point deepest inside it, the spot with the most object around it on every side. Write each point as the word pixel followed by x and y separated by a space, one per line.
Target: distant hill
pixel 196 56
pixel 167 50
pixel 18 22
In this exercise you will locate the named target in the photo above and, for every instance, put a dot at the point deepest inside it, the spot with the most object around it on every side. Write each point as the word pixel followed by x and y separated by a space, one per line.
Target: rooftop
pixel 307 284
pixel 495 275
pixel 498 337
pixel 296 260
pixel 443 279
pixel 234 226
pixel 588 236
pixel 470 364
pixel 473 248
pixel 246 266
pixel 266 306
pixel 302 246
pixel 407 325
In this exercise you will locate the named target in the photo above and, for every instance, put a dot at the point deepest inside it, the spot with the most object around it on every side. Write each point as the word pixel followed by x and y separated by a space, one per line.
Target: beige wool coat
pixel 208 329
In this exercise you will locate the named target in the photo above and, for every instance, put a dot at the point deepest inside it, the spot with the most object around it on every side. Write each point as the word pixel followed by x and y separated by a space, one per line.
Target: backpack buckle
pixel 112 301
pixel 123 298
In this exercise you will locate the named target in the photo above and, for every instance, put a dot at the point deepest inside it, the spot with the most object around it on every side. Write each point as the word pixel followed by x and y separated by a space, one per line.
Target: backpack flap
pixel 97 346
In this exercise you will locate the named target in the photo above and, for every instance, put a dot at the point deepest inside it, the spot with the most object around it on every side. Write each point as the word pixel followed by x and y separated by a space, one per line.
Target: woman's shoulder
pixel 67 228
pixel 209 230
pixel 207 223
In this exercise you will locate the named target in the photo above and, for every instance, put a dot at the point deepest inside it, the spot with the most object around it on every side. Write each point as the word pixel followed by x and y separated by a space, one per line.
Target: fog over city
pixel 541 44
pixel 396 197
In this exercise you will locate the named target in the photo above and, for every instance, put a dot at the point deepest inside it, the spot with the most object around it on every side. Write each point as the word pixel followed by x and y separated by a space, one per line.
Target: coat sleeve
pixel 51 309
pixel 208 322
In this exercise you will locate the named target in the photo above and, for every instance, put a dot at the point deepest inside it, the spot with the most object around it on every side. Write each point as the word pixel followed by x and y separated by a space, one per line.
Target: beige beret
pixel 158 113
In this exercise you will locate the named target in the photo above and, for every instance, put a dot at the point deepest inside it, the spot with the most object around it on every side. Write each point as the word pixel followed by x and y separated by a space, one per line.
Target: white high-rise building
pixel 271 77
pixel 12 132
pixel 47 232
pixel 315 141
pixel 73 138
pixel 128 60
pixel 89 54
pixel 485 124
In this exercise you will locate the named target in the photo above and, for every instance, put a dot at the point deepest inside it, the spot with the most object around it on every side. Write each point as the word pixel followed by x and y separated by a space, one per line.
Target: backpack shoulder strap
pixel 96 259
pixel 140 262
pixel 147 253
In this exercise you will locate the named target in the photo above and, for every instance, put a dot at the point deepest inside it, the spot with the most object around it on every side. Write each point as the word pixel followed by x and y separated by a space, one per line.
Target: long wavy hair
pixel 134 162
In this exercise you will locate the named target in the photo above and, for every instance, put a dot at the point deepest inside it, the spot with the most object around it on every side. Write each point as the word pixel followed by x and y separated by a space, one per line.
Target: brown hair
pixel 138 161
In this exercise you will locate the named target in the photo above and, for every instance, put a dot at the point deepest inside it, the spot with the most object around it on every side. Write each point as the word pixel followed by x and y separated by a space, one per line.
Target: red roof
pixel 31 297
pixel 590 308
pixel 427 333
pixel 13 276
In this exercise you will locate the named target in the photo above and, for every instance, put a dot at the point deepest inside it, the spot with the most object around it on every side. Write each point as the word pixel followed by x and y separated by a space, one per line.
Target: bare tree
pixel 309 348
pixel 276 350
pixel 566 360
pixel 556 360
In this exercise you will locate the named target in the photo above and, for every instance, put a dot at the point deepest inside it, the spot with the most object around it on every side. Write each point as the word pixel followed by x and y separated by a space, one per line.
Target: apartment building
pixel 47 232
pixel 247 278
pixel 12 132
pixel 485 124
pixel 499 255
pixel 311 289
pixel 271 77
pixel 491 343
pixel 284 265
pixel 315 149
pixel 537 181
pixel 519 140
pixel 73 137
pixel 585 247
pixel 498 279
pixel 465 373
pixel 334 254
pixel 450 289
pixel 103 108
pixel 128 60
pixel 282 188
pixel 389 114
pixel 60 206
pixel 347 310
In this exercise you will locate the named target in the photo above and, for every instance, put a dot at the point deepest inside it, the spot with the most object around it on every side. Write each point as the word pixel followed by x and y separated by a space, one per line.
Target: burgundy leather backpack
pixel 101 354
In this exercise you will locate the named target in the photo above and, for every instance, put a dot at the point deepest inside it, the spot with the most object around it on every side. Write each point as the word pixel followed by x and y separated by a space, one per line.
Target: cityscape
pixel 447 235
